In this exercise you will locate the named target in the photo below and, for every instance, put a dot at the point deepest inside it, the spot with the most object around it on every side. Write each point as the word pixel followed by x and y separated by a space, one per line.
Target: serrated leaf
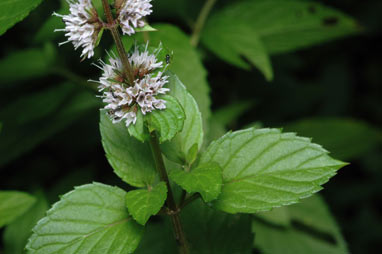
pixel 90 219
pixel 205 179
pixel 16 234
pixel 139 129
pixel 339 135
pixel 169 121
pixel 264 168
pixel 192 134
pixel 13 204
pixel 272 26
pixel 130 158
pixel 14 11
pixel 313 229
pixel 144 203
pixel 186 63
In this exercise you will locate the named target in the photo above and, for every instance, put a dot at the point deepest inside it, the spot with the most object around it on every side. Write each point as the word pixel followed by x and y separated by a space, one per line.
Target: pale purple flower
pixel 132 13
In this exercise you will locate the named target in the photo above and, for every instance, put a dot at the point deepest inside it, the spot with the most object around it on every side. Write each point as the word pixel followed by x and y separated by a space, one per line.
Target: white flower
pixel 123 100
pixel 131 15
pixel 81 26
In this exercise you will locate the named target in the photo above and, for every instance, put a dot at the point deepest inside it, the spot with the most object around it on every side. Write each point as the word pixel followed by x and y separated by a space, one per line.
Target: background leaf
pixel 264 168
pixel 312 229
pixel 146 202
pixel 205 179
pixel 13 204
pixel 192 133
pixel 14 11
pixel 167 122
pixel 90 219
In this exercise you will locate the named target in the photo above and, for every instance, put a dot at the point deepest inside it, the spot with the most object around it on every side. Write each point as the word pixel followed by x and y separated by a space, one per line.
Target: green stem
pixel 118 42
pixel 201 21
pixel 178 230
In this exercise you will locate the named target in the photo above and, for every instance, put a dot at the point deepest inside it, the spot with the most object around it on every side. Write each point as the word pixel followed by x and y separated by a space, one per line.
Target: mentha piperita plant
pixel 155 136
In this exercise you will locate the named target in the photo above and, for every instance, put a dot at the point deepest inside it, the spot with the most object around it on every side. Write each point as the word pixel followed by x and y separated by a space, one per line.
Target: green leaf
pixel 146 202
pixel 313 229
pixel 169 121
pixel 90 219
pixel 14 11
pixel 186 63
pixel 192 134
pixel 131 159
pixel 254 29
pixel 13 204
pixel 17 233
pixel 139 129
pixel 205 179
pixel 40 116
pixel 26 64
pixel 339 135
pixel 264 168
pixel 145 28
pixel 277 216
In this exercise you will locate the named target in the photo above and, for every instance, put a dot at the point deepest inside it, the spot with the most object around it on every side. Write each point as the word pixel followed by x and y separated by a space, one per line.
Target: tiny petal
pixel 132 13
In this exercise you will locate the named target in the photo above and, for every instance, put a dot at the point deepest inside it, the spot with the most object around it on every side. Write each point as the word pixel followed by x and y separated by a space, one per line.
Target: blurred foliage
pixel 49 114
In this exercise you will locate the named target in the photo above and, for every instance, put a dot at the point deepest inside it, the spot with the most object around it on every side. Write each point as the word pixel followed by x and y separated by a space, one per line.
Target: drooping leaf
pixel 254 29
pixel 205 179
pixel 313 229
pixel 264 168
pixel 32 119
pixel 13 11
pixel 90 219
pixel 169 121
pixel 26 64
pixel 144 203
pixel 339 135
pixel 185 62
pixel 13 204
pixel 130 158
pixel 16 234
pixel 192 134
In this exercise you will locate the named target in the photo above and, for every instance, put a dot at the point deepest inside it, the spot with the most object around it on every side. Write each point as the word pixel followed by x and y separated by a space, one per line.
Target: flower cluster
pixel 82 26
pixel 123 100
pixel 132 13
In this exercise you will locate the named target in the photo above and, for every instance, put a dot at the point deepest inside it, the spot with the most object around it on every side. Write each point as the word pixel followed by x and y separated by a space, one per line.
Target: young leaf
pixel 13 204
pixel 16 234
pixel 192 134
pixel 90 219
pixel 146 202
pixel 14 11
pixel 131 159
pixel 168 122
pixel 339 135
pixel 205 179
pixel 264 168
pixel 139 130
pixel 186 63
pixel 313 228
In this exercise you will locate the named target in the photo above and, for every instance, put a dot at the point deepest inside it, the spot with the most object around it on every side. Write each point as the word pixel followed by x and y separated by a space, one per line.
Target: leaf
pixel 13 11
pixel 339 135
pixel 40 116
pixel 169 121
pixel 227 114
pixel 130 158
pixel 145 28
pixel 26 64
pixel 146 202
pixel 13 204
pixel 186 63
pixel 255 29
pixel 264 168
pixel 139 129
pixel 90 219
pixel 278 216
pixel 192 133
pixel 205 179
pixel 16 234
pixel 312 228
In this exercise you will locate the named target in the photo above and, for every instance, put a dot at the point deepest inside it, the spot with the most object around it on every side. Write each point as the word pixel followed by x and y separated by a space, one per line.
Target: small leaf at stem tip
pixel 144 203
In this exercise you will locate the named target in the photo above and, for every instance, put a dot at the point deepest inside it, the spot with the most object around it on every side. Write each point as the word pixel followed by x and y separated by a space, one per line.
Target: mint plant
pixel 158 138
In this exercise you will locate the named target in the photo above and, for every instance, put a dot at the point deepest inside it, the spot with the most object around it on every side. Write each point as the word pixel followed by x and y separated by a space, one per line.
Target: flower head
pixel 82 26
pixel 132 13
pixel 123 100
